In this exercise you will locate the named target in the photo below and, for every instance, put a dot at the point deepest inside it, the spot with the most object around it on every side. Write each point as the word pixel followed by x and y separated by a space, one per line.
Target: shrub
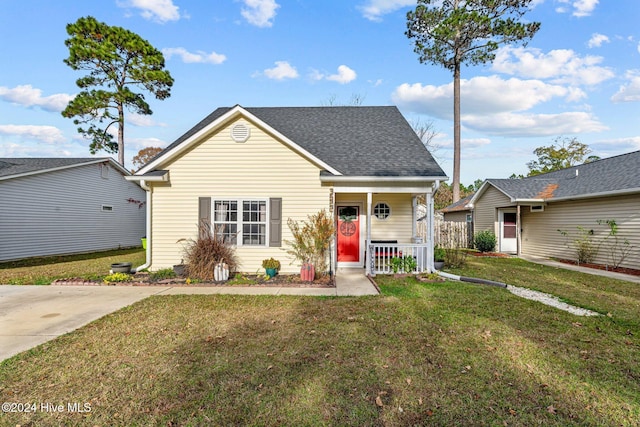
pixel 117 277
pixel 439 254
pixel 202 255
pixel 485 241
pixel 271 263
pixel 311 239
pixel 405 264
pixel 586 249
pixel 454 257
pixel 165 273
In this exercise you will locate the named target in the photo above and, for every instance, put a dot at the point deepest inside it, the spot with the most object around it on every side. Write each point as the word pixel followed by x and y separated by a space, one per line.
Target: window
pixel 536 208
pixel 241 221
pixel 381 211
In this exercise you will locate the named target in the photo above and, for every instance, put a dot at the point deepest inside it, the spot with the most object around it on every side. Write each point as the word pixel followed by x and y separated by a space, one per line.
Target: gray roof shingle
pixel 19 166
pixel 610 175
pixel 356 141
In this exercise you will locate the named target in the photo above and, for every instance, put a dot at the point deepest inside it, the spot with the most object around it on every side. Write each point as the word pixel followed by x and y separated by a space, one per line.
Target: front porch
pixel 377 230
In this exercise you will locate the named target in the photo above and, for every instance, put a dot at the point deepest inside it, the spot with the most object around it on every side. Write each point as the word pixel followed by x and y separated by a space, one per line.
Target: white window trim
pixel 240 222
pixel 373 210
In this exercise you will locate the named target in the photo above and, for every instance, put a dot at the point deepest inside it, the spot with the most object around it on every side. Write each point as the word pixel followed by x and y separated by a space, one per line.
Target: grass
pixel 42 271
pixel 420 354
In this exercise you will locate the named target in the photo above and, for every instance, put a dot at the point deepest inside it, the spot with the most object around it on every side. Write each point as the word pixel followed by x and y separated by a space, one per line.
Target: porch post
pixel 518 237
pixel 430 239
pixel 367 258
pixel 414 228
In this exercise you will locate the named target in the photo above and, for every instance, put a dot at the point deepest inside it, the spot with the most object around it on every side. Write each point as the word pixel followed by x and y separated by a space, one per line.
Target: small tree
pixel 117 60
pixel 619 248
pixel 312 239
pixel 563 153
pixel 145 155
pixel 454 32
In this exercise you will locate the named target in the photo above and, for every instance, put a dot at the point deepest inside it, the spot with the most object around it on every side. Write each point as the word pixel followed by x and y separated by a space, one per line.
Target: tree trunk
pixel 121 134
pixel 455 186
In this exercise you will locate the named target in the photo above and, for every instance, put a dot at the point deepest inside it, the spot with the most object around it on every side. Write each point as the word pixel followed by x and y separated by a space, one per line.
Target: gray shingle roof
pixel 459 206
pixel 19 166
pixel 356 141
pixel 610 175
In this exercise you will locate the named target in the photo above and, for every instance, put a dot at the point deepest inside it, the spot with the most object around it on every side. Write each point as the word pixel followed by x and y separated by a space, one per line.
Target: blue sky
pixel 578 77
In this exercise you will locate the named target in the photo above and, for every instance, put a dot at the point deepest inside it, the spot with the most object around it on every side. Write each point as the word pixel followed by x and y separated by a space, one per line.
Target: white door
pixel 508 231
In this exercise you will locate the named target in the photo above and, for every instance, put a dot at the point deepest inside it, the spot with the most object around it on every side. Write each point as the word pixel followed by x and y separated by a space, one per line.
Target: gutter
pixel 148 192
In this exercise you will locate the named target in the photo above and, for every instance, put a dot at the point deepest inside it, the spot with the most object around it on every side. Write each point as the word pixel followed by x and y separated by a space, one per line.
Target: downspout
pixel 148 191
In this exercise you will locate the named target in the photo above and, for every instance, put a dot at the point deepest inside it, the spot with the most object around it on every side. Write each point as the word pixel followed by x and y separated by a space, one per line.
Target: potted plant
pixel 271 266
pixel 438 257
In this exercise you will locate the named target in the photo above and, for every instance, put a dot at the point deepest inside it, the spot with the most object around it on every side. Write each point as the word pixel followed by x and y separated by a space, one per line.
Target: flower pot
pixel 307 272
pixel 180 269
pixel 438 265
pixel 121 267
pixel 271 272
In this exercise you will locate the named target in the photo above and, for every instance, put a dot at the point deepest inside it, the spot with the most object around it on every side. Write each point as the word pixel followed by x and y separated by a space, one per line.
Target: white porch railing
pixel 389 258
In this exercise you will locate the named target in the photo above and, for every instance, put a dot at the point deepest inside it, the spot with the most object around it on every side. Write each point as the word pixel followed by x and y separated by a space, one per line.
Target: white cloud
pixel 155 10
pixel 142 120
pixel 374 9
pixel 481 95
pixel 343 76
pixel 282 70
pixel 629 92
pixel 194 58
pixel 510 124
pixel 260 13
pixel 560 65
pixel 596 40
pixel 617 145
pixel 47 134
pixel 581 8
pixel 29 96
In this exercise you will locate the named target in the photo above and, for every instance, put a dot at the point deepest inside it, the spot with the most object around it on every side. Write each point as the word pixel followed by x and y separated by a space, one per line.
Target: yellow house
pixel 248 170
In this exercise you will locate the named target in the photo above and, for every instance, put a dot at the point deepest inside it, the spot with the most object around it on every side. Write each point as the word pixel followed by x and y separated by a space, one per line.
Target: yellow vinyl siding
pixel 220 168
pixel 540 236
pixel 485 213
pixel 396 227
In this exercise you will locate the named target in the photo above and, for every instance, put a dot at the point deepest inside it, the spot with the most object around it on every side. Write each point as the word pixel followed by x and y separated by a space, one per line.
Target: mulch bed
pixel 631 271
pixel 142 279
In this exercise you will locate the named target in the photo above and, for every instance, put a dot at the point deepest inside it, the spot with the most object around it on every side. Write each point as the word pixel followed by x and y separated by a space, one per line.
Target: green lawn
pixel 443 353
pixel 42 271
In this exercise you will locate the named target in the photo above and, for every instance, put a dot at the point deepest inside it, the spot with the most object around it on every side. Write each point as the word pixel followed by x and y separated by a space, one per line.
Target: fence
pixel 449 234
pixel 389 258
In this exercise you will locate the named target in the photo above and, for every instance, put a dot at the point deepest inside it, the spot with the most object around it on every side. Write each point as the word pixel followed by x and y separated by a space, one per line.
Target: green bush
pixel 117 277
pixel 165 273
pixel 455 257
pixel 438 254
pixel 485 241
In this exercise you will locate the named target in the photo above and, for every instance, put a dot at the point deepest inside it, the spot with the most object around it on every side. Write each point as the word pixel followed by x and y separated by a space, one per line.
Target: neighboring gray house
pixel 527 213
pixel 458 211
pixel 53 206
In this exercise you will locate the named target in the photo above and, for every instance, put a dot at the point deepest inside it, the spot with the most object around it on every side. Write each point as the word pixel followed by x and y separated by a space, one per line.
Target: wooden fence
pixel 449 234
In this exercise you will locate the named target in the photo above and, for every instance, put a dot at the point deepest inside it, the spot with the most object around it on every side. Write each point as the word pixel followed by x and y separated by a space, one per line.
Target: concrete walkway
pixel 32 315
pixel 594 271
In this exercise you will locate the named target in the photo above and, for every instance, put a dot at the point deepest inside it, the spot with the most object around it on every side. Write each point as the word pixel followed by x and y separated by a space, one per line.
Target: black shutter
pixel 275 222
pixel 204 216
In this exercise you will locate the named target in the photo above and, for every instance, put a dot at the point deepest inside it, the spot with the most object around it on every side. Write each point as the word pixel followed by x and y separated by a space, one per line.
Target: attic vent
pixel 537 208
pixel 240 132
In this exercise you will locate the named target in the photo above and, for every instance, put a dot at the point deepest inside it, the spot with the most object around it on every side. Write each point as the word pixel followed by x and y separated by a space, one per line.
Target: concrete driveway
pixel 31 315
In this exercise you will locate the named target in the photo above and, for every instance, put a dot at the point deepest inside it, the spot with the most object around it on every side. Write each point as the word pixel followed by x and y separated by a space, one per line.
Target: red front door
pixel 348 234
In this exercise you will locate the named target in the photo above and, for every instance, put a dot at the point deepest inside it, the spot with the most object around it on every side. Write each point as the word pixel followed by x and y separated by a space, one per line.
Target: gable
pixel 349 141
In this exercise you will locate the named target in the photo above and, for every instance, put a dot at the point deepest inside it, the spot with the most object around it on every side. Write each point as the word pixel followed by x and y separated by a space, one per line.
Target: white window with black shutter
pixel 244 221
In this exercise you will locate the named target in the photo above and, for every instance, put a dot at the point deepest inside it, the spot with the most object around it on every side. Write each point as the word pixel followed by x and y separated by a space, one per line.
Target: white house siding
pixel 540 236
pixel 59 212
pixel 485 213
pixel 260 168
